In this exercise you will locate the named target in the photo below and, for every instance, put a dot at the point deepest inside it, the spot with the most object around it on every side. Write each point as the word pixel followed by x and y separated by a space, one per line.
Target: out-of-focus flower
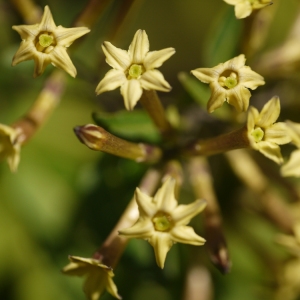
pixel 47 43
pixel 244 8
pixel 162 222
pixel 230 82
pixel 292 167
pixel 264 134
pixel 10 146
pixel 135 69
pixel 99 276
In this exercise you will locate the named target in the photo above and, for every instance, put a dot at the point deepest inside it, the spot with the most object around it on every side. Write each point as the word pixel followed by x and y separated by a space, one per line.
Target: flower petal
pixel 243 10
pixel 249 78
pixel 41 61
pixel 47 23
pixel 112 79
pixel 117 58
pixel 270 113
pixel 155 59
pixel 292 167
pixel 217 98
pixel 154 80
pixel 236 63
pixel 239 97
pixel 293 130
pixel 131 91
pixel 186 235
pixel 270 150
pixel 142 229
pixel 25 52
pixel 165 198
pixel 253 114
pixel 144 202
pixel 207 75
pixel 27 32
pixel 182 214
pixel 139 47
pixel 161 243
pixel 66 36
pixel 60 58
pixel 277 133
pixel 112 288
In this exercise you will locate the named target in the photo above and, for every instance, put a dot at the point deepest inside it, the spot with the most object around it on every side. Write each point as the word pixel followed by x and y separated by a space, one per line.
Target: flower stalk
pixel 233 140
pixel 46 102
pixel 154 108
pixel 97 138
pixel 202 183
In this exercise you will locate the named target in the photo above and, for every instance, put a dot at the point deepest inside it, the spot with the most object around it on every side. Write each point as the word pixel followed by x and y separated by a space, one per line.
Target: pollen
pixel 135 71
pixel 257 134
pixel 45 40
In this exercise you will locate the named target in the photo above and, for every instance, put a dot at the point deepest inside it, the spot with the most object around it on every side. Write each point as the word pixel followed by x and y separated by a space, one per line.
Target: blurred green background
pixel 65 198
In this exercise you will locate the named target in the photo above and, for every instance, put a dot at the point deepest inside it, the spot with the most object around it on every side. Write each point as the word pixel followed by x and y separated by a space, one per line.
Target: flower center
pixel 162 222
pixel 257 134
pixel 230 81
pixel 45 42
pixel 135 71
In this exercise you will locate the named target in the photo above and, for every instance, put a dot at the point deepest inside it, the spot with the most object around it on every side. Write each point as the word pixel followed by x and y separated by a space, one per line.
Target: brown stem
pixel 222 143
pixel 202 183
pixel 114 245
pixel 30 12
pixel 45 103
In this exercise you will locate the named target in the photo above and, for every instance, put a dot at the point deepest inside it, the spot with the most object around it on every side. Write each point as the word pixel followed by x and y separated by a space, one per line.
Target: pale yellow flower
pixel 230 82
pixel 244 8
pixel 47 43
pixel 264 134
pixel 292 166
pixel 135 69
pixel 10 146
pixel 98 276
pixel 162 222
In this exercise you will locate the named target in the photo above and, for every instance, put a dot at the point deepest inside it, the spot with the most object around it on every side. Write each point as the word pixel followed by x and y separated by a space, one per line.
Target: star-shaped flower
pixel 230 82
pixel 47 43
pixel 135 69
pixel 10 146
pixel 99 276
pixel 292 167
pixel 264 134
pixel 244 8
pixel 162 222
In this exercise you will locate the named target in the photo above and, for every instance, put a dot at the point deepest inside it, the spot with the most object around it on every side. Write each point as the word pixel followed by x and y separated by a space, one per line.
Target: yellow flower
pixel 244 8
pixel 230 82
pixel 292 167
pixel 47 43
pixel 162 222
pixel 264 134
pixel 135 69
pixel 10 146
pixel 99 276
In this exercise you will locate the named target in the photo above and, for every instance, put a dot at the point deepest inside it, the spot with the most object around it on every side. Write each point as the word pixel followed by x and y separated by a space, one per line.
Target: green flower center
pixel 135 71
pixel 257 134
pixel 162 222
pixel 228 80
pixel 45 40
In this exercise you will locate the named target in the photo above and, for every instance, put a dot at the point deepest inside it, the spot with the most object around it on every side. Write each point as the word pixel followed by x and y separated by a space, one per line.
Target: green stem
pixel 153 106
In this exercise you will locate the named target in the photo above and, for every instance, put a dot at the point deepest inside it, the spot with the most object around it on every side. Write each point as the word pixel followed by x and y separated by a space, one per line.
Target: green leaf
pixel 223 40
pixel 134 125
